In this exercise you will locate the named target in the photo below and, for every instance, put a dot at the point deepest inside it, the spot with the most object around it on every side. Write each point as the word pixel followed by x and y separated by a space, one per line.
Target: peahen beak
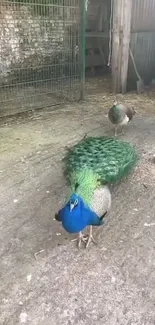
pixel 71 206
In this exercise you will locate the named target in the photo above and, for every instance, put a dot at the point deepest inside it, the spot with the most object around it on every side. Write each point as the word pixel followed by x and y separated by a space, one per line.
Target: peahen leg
pixel 90 237
pixel 116 127
pixel 121 130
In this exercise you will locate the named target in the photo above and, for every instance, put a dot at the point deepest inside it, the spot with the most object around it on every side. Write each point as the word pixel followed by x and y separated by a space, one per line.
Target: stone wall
pixel 29 40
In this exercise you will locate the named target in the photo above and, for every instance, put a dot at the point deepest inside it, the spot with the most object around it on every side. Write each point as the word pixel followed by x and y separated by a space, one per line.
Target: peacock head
pixel 74 201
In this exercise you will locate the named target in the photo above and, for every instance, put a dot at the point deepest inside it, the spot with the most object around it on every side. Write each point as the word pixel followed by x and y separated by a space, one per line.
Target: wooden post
pixel 116 46
pixel 120 43
pixel 127 10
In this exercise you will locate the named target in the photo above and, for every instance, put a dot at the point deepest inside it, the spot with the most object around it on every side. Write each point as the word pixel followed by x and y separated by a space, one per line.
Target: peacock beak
pixel 71 206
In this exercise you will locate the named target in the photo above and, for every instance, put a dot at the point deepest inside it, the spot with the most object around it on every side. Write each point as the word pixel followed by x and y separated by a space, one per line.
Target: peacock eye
pixel 76 202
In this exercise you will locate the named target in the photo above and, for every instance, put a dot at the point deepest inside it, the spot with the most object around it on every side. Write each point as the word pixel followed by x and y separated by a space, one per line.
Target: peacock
pixel 120 115
pixel 90 166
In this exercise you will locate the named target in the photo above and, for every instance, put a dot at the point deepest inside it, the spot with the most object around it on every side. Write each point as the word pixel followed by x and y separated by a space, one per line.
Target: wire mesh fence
pixel 41 52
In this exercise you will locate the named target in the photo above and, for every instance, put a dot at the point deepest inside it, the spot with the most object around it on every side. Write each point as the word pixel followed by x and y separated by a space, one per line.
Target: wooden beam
pixel 97 34
pixel 126 12
pixel 120 43
pixel 116 45
pixel 141 30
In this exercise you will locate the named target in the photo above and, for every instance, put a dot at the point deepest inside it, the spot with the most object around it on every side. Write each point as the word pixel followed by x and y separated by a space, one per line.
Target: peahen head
pixel 74 201
pixel 115 107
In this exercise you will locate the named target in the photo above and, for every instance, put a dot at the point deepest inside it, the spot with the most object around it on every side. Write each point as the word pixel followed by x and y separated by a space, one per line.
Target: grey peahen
pixel 120 115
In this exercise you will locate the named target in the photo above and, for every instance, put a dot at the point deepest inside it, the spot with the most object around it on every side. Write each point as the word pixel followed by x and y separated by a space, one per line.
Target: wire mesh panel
pixel 41 52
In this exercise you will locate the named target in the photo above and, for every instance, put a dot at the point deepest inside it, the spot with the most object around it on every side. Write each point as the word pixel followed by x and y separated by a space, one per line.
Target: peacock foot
pixel 81 239
pixel 90 239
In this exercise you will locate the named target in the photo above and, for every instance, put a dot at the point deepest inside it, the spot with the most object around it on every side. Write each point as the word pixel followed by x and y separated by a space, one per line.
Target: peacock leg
pixel 90 237
pixel 81 239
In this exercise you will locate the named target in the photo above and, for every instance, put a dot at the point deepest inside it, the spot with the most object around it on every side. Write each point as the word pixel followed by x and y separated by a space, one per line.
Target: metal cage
pixel 42 53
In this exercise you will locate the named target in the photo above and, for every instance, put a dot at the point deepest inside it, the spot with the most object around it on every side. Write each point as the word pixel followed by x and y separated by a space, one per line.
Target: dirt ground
pixel 44 278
